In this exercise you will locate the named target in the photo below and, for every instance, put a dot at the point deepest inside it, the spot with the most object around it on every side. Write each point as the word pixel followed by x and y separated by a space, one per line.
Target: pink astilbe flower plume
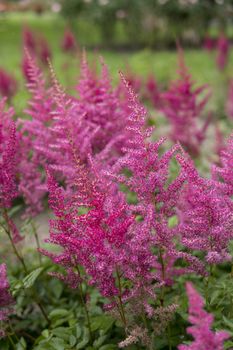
pixel 44 51
pixel 209 43
pixel 183 104
pixel 229 102
pixel 68 42
pixel 223 174
pixel 152 91
pixel 204 337
pixel 8 144
pixel 34 135
pixel 102 108
pixel 206 219
pixel 8 84
pixel 223 48
pixel 156 197
pixel 29 40
pixel 8 168
pixel 95 239
pixel 6 300
pixel 95 122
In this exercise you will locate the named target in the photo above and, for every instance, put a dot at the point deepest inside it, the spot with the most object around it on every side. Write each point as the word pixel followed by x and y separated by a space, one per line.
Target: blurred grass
pixel 163 64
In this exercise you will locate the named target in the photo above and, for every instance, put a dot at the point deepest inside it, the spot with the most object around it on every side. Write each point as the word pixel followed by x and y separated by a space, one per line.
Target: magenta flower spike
pixel 201 323
pixel 68 42
pixel 223 48
pixel 183 106
pixel 6 300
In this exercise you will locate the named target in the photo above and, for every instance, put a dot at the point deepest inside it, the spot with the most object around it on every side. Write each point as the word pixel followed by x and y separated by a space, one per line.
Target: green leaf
pixel 72 340
pixel 30 279
pixel 58 313
pixel 21 345
pixel 58 344
pixel 108 347
pixel 101 322
pixel 98 342
pixel 62 332
pixel 85 341
pixel 45 333
pixel 172 221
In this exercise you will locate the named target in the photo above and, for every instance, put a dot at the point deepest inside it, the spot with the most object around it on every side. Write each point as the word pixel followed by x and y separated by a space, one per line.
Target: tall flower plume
pixel 206 219
pixel 183 106
pixel 204 337
pixel 6 300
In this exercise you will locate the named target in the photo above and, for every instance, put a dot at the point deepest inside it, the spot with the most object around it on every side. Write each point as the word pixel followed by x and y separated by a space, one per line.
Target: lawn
pixel 162 64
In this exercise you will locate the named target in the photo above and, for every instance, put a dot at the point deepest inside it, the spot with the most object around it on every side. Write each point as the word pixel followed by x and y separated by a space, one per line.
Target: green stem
pixel 208 281
pixel 8 232
pixel 37 240
pixel 21 259
pixel 11 341
pixel 84 305
pixel 120 299
pixel 162 296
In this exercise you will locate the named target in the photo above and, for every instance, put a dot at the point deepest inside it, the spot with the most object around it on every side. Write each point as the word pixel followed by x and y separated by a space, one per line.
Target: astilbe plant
pixel 6 300
pixel 156 196
pixel 107 239
pixel 229 101
pixel 183 105
pixel 209 43
pixel 103 108
pixel 201 323
pixel 206 220
pixel 68 43
pixel 8 84
pixel 8 169
pixel 96 121
pixel 223 47
pixel 34 135
pixel 222 174
pixel 152 92
pixel 44 51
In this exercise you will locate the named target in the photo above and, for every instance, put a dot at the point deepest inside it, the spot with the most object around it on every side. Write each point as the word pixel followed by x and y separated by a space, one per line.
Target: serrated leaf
pixel 98 342
pixel 85 341
pixel 101 322
pixel 58 313
pixel 108 347
pixel 21 345
pixel 58 344
pixel 72 340
pixel 30 279
pixel 62 332
pixel 45 333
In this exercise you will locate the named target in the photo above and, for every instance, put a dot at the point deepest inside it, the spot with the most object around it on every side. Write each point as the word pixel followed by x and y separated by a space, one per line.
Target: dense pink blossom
pixel 156 196
pixel 183 105
pixel 223 174
pixel 8 84
pixel 152 91
pixel 95 122
pixel 94 239
pixel 209 43
pixel 102 108
pixel 8 142
pixel 229 101
pixel 29 40
pixel 206 219
pixel 34 134
pixel 6 300
pixel 223 47
pixel 68 42
pixel 44 51
pixel 201 323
